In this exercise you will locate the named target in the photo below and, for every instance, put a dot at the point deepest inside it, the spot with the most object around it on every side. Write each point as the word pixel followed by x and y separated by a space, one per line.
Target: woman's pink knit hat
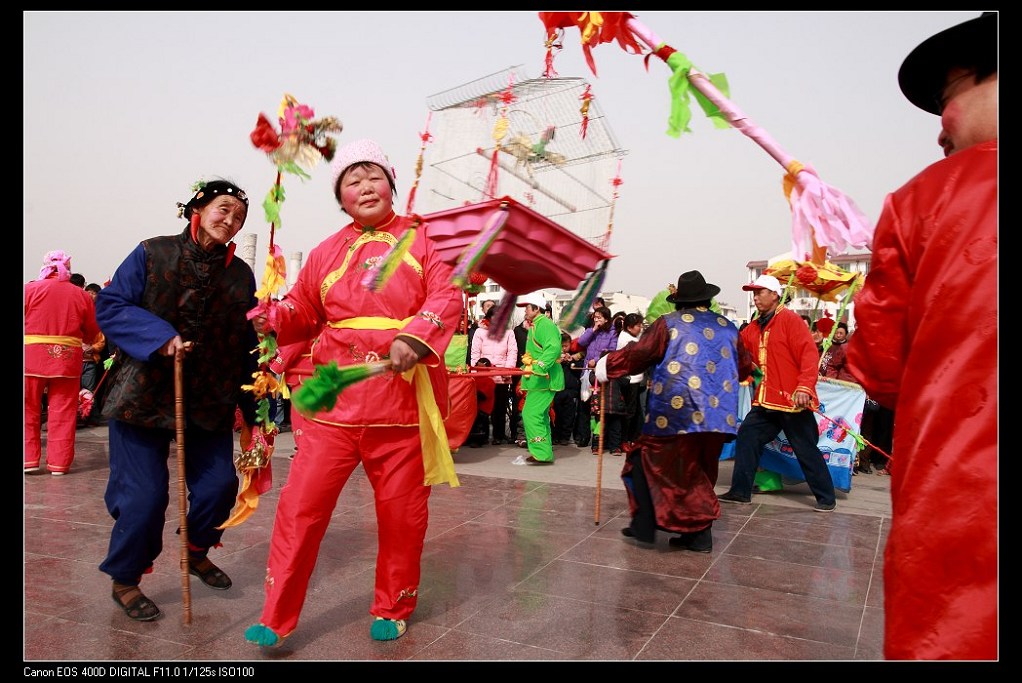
pixel 357 152
pixel 56 261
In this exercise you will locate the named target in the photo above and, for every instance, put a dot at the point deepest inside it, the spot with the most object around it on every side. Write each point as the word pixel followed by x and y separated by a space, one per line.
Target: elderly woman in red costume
pixel 390 423
pixel 59 317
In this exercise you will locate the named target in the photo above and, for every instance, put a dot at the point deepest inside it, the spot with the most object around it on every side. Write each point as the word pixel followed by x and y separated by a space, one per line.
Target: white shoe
pixel 520 460
pixel 58 474
pixel 31 469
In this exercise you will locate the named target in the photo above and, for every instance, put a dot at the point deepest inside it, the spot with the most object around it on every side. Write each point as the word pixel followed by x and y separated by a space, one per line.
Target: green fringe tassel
pixel 574 314
pixel 320 392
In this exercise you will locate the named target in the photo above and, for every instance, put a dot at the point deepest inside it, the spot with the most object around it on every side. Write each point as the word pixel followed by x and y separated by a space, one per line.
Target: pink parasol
pixel 822 216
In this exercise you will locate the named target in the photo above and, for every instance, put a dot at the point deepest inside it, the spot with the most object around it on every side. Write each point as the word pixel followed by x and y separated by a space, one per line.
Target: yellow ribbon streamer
pixel 437 461
pixel 245 505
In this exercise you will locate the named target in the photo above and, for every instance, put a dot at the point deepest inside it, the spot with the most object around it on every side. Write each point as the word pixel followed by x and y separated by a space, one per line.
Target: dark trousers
pixel 90 375
pixel 643 523
pixel 759 428
pixel 515 420
pixel 878 429
pixel 633 427
pixel 565 413
pixel 138 492
pixel 498 418
pixel 583 428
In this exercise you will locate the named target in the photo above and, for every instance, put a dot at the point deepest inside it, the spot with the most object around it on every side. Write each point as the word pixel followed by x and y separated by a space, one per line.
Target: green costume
pixel 542 356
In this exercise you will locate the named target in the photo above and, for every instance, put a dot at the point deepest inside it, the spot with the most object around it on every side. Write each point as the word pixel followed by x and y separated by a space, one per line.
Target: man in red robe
pixel 926 346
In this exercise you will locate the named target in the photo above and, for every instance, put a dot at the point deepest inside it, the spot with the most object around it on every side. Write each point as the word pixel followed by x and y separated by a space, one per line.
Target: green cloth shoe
pixel 388 629
pixel 262 636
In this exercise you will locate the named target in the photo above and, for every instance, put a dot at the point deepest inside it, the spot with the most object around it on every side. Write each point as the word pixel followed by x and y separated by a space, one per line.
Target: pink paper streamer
pixel 818 210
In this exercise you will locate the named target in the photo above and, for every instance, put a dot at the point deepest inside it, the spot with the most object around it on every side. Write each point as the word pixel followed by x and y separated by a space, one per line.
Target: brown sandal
pixel 135 604
pixel 210 574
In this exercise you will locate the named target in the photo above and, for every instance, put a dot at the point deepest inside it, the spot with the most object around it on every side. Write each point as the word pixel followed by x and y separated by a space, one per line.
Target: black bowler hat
pixel 692 288
pixel 924 72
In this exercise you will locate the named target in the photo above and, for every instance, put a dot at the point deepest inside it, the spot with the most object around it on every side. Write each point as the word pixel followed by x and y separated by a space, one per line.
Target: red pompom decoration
pixel 806 274
pixel 478 278
pixel 264 136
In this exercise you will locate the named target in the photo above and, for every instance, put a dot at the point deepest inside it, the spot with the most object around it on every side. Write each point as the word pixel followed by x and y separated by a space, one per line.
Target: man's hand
pixel 802 399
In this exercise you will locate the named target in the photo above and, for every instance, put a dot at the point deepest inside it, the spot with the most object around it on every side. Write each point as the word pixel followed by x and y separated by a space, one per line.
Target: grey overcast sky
pixel 123 111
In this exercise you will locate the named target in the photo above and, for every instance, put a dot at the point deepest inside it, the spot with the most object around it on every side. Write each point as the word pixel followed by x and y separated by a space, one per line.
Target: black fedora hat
pixel 924 72
pixel 692 288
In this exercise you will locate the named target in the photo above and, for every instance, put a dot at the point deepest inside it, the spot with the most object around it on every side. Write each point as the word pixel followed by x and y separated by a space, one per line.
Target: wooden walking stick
pixel 182 497
pixel 599 453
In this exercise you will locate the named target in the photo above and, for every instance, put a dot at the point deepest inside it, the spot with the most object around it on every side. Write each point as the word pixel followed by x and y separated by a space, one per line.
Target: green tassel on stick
pixel 320 392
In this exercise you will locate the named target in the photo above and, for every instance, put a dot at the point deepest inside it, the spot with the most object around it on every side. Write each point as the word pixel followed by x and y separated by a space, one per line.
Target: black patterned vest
pixel 206 301
pixel 695 387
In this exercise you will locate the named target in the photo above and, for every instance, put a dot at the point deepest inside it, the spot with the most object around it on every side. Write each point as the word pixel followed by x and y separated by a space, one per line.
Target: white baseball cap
pixel 765 282
pixel 534 298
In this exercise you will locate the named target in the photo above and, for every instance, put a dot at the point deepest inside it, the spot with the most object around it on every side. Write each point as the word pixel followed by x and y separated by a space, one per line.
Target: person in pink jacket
pixel 59 318
pixel 926 347
pixel 391 424
pixel 502 352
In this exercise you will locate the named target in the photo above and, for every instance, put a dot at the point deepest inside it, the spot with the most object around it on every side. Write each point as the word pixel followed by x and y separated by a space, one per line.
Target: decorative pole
pixel 302 141
pixel 822 216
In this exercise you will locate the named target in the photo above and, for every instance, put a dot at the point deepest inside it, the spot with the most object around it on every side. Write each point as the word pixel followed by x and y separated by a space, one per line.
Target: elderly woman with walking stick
pixel 183 293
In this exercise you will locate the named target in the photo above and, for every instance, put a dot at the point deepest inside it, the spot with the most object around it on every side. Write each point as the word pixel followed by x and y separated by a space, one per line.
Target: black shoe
pixel 733 498
pixel 499 442
pixel 628 533
pixel 582 444
pixel 697 541
pixel 533 461
pixel 825 507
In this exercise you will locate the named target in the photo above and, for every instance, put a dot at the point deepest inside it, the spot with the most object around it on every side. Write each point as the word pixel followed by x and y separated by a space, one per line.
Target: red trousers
pixel 61 421
pixel 392 459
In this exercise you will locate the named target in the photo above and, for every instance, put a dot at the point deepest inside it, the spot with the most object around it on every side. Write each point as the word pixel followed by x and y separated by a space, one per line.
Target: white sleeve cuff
pixel 601 370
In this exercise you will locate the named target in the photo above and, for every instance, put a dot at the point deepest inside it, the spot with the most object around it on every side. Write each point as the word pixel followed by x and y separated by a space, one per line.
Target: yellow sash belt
pixel 436 450
pixel 52 339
